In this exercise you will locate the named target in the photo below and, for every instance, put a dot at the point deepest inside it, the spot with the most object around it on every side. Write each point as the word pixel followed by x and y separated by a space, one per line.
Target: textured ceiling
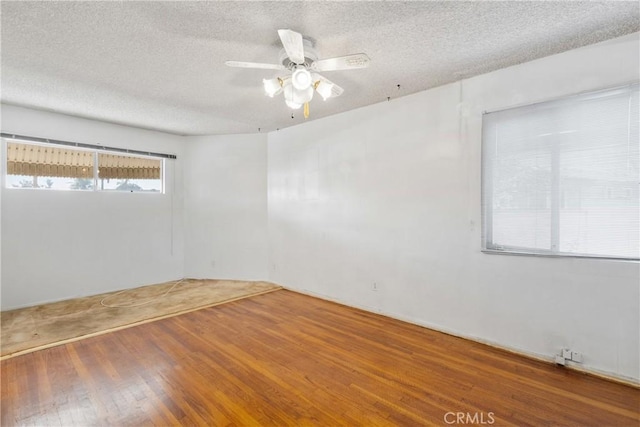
pixel 160 65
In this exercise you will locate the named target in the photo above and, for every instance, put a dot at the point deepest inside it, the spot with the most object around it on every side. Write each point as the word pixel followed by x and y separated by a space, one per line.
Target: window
pixel 562 177
pixel 60 167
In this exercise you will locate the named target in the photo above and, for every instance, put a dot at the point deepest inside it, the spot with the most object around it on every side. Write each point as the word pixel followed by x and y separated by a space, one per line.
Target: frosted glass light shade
pixel 292 104
pixel 294 98
pixel 324 89
pixel 289 96
pixel 302 96
pixel 301 79
pixel 272 87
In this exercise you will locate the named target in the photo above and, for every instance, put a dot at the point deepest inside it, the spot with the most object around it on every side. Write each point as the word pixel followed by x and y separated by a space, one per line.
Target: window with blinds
pixel 49 166
pixel 562 177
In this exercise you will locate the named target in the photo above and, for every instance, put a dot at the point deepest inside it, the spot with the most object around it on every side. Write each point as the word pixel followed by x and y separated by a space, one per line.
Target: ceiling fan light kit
pixel 272 87
pixel 299 60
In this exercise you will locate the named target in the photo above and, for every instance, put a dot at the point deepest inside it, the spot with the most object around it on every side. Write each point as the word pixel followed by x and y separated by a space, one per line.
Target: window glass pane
pixel 131 185
pixel 49 183
pixel 599 209
pixel 129 173
pixel 48 167
pixel 521 176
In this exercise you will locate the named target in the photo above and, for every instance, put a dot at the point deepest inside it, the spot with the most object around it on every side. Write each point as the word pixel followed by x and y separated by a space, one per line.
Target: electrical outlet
pixel 576 357
pixel 566 353
pixel 374 286
pixel 560 360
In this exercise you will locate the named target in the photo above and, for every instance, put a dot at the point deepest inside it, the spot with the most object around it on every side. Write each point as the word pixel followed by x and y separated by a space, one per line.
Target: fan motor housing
pixel 310 55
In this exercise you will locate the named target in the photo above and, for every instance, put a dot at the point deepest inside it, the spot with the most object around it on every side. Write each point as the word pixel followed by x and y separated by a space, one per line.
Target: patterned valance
pixel 50 161
pixel 39 160
pixel 111 166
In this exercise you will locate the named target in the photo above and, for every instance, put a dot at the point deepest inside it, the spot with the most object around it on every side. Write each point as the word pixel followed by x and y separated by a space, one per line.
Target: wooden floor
pixel 289 359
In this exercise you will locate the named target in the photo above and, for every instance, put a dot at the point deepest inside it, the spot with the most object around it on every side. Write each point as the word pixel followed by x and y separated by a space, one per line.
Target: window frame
pixel 486 197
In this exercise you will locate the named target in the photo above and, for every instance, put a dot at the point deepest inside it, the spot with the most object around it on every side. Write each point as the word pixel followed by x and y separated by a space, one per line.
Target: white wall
pixel 390 194
pixel 226 207
pixel 64 244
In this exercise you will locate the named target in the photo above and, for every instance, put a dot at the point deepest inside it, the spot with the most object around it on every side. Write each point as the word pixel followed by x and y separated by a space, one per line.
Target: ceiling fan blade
pixel 349 62
pixel 241 64
pixel 336 90
pixel 292 43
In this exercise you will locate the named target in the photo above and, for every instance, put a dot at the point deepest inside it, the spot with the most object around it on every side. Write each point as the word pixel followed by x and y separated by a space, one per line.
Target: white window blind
pixel 562 177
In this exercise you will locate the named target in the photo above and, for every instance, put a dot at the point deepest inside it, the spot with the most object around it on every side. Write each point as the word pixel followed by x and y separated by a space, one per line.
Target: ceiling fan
pixel 300 65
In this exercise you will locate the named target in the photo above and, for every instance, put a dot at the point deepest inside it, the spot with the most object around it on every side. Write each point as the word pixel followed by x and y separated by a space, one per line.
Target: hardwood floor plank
pixel 288 359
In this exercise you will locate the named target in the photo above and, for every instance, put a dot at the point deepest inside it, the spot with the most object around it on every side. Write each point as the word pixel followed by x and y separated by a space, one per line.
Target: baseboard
pixel 518 352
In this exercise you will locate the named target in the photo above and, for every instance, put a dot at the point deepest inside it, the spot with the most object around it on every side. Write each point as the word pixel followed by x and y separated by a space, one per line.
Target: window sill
pixel 534 254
